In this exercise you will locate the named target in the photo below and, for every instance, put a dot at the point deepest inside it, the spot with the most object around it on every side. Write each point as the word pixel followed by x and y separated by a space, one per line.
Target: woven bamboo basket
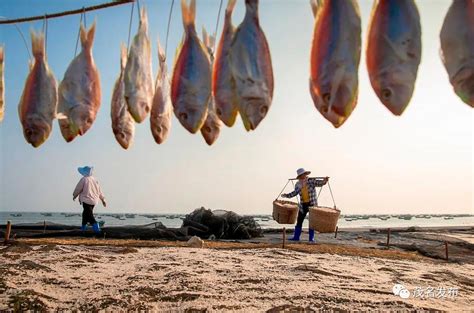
pixel 285 212
pixel 323 219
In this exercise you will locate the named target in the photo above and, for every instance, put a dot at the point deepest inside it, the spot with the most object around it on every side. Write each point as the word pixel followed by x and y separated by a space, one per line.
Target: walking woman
pixel 305 188
pixel 89 193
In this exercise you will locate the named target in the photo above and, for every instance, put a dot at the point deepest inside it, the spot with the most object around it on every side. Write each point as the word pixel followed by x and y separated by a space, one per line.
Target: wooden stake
pixel 388 238
pixel 44 229
pixel 284 238
pixel 446 249
pixel 8 231
pixel 335 234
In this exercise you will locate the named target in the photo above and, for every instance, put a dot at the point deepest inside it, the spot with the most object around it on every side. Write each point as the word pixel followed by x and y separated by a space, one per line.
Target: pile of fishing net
pixel 221 224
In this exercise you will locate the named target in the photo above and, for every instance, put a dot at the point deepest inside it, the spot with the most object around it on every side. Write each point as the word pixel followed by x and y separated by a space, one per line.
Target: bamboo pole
pixel 8 231
pixel 388 238
pixel 446 250
pixel 284 238
pixel 335 234
pixel 71 12
pixel 44 229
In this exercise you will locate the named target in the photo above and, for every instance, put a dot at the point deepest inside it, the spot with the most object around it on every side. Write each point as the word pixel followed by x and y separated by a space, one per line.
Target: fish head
pixel 211 128
pixel 66 131
pixel 192 118
pixel 255 101
pixel 138 106
pixel 36 130
pixel 322 105
pixel 160 130
pixel 463 83
pixel 124 135
pixel 394 89
pixel 82 118
pixel 226 109
pixel 340 98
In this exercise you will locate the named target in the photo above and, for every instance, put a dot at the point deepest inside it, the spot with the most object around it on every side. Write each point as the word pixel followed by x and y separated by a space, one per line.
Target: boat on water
pixel 46 214
pixel 16 214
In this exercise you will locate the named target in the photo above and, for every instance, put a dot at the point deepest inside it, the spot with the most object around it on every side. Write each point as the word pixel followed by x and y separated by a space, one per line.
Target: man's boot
pixel 96 228
pixel 84 227
pixel 297 234
pixel 311 235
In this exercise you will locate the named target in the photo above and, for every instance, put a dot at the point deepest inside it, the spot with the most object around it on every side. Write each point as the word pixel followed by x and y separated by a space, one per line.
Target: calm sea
pixel 265 221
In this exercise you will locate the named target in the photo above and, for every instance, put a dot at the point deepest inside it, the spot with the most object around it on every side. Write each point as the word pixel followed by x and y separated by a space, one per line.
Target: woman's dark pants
pixel 302 214
pixel 87 214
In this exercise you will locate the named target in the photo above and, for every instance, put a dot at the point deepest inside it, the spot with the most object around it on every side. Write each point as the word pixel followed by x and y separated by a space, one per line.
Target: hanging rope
pixel 45 32
pixel 78 35
pixel 282 190
pixel 130 26
pixel 84 13
pixel 217 25
pixel 139 11
pixel 24 40
pixel 168 29
pixel 334 202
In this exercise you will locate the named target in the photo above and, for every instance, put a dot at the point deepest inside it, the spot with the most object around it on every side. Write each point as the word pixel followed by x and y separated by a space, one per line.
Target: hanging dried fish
pixel 37 107
pixel 79 91
pixel 191 82
pixel 138 73
pixel 335 56
pixel 222 85
pixel 123 125
pixel 2 92
pixel 457 48
pixel 212 125
pixel 251 66
pixel 394 52
pixel 161 110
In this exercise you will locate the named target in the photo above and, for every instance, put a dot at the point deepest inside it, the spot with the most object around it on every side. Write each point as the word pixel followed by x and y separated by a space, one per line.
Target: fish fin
pixel 37 44
pixel 314 6
pixel 401 54
pixel 143 19
pixel 1 53
pixel 230 7
pixel 188 12
pixel 123 56
pixel 336 81
pixel 87 36
pixel 161 52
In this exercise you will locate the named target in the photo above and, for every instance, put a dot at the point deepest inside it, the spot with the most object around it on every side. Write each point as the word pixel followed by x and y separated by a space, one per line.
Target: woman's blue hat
pixel 85 171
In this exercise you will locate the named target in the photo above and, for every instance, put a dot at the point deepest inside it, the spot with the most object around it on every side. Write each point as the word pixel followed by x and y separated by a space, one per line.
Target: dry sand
pixel 88 276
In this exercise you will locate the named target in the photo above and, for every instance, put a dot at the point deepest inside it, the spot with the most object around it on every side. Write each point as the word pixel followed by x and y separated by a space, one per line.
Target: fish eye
pixel 263 110
pixel 327 97
pixel 29 132
pixel 325 109
pixel 147 108
pixel 386 94
pixel 183 116
pixel 89 121
pixel 207 129
pixel 158 129
pixel 219 112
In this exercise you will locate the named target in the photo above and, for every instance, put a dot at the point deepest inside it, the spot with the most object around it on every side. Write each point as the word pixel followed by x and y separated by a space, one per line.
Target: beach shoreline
pixel 97 274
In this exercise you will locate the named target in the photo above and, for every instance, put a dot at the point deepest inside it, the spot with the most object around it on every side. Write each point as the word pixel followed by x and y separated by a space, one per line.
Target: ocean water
pixel 265 221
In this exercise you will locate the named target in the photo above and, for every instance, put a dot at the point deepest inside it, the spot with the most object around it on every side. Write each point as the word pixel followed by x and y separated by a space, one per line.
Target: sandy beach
pixel 92 274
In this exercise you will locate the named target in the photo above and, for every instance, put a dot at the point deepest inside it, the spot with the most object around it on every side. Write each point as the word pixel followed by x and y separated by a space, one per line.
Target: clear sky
pixel 420 162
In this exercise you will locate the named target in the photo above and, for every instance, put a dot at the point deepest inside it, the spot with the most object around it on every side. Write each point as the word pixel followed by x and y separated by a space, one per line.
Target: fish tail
pixel 188 12
pixel 161 52
pixel 37 44
pixel 230 7
pixel 143 19
pixel 123 56
pixel 87 36
pixel 1 54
